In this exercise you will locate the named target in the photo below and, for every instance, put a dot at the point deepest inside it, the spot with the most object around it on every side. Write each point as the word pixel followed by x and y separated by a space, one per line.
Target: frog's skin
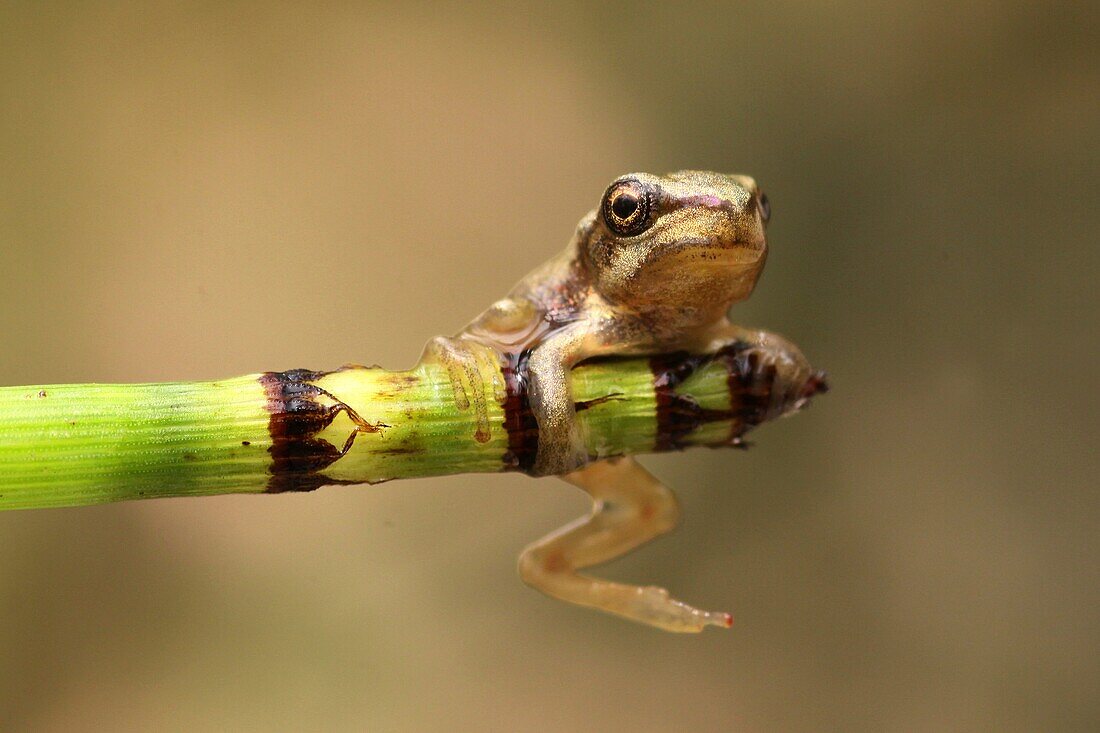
pixel 653 269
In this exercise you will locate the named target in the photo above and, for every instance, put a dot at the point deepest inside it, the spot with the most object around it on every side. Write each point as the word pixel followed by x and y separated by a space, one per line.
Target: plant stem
pixel 68 445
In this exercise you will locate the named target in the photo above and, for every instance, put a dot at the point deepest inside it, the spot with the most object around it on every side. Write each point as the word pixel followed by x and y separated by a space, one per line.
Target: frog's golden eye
pixel 765 207
pixel 626 208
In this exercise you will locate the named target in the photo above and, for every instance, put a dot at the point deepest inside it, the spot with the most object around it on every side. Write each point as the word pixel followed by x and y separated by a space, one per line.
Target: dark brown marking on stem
pixel 678 415
pixel 403 450
pixel 519 420
pixel 761 391
pixel 757 393
pixel 751 387
pixel 585 404
pixel 297 415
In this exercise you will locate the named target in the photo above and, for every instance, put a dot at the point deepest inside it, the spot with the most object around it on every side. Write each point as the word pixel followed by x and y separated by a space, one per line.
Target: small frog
pixel 653 269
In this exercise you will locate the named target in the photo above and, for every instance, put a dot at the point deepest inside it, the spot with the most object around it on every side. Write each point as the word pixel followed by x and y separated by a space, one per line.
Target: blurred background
pixel 201 190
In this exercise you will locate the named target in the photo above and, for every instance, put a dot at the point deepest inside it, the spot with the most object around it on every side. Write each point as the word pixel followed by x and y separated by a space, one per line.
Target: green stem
pixel 67 445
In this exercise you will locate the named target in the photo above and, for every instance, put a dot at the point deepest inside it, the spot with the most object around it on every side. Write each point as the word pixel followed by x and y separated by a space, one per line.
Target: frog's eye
pixel 626 208
pixel 765 207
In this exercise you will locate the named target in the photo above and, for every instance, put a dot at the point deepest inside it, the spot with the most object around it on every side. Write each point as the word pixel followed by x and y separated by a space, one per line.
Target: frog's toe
pixel 466 367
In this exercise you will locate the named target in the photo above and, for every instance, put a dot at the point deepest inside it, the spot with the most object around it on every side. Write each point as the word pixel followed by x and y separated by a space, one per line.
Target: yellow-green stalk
pixel 68 445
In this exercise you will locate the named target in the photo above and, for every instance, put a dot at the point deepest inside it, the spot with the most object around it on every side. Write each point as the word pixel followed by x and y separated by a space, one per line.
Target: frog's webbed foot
pixel 631 507
pixel 466 363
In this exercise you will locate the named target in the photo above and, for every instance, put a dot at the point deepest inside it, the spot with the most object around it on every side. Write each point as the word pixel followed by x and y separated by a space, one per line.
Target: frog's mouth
pixel 712 252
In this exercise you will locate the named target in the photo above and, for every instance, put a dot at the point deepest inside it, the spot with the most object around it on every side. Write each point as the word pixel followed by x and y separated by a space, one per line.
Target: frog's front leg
pixel 471 361
pixel 774 366
pixel 561 446
pixel 727 334
pixel 631 507
pixel 465 362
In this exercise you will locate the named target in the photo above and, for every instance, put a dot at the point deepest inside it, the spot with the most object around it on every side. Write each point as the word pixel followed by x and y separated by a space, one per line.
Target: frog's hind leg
pixel 631 507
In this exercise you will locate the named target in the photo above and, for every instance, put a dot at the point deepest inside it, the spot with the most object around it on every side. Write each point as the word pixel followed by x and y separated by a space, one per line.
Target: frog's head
pixel 691 240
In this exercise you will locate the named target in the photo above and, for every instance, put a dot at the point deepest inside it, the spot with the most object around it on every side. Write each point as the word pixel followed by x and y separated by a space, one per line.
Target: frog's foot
pixel 631 508
pixel 464 364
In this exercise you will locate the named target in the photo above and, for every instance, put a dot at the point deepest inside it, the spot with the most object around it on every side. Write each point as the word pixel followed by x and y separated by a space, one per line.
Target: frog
pixel 654 268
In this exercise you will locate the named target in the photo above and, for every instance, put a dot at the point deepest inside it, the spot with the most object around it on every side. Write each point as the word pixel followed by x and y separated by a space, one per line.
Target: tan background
pixel 192 191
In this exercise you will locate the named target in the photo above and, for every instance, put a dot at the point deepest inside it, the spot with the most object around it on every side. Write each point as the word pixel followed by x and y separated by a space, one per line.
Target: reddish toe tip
pixel 729 620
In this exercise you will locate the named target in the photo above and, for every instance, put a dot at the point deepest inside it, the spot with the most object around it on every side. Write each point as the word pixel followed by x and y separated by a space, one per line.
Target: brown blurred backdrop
pixel 199 190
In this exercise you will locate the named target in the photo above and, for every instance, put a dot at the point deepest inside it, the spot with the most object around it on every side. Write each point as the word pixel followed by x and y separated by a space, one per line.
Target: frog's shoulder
pixel 560 289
